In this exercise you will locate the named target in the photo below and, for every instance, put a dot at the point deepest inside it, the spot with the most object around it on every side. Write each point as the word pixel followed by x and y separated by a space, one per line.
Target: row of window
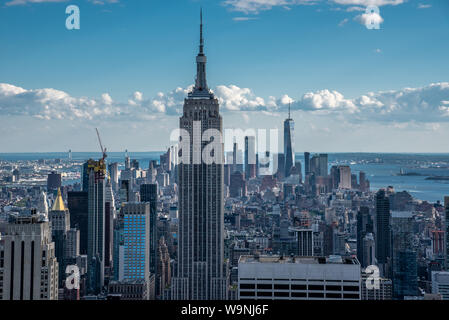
pixel 247 294
pixel 309 287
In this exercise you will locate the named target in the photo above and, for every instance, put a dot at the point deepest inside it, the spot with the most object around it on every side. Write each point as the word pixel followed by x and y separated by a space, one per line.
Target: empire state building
pixel 201 273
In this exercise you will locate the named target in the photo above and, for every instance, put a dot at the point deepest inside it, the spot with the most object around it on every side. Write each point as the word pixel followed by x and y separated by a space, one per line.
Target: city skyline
pixel 351 89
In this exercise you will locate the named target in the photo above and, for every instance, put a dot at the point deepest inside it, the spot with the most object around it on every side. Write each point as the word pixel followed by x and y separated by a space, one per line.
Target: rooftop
pixel 300 260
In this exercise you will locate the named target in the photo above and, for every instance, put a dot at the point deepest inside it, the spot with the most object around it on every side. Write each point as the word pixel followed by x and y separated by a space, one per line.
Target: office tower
pixel 59 217
pixel 383 229
pixel 446 230
pixel 335 177
pixel 289 144
pixel 77 202
pixel 136 241
pixel 440 283
pixel 72 249
pixel 28 266
pixel 109 214
pixel 383 292
pixel 96 226
pixel 362 182
pixel 298 278
pixel 113 175
pixel 323 163
pixel 54 181
pixel 404 255
pixel 345 177
pixel 364 227
pixel 148 193
pixel 304 240
pixel 201 271
pixel 354 184
pixel 125 190
pixel 237 187
pixel 306 163
pixel 315 165
pixel 250 157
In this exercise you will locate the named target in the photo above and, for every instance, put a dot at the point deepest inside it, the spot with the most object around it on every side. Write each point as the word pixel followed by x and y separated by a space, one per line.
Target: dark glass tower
pixel 383 228
pixel 148 193
pixel 96 226
pixel 78 207
pixel 201 272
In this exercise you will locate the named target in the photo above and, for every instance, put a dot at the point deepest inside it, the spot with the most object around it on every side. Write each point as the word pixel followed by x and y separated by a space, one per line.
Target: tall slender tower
pixel 201 272
pixel 289 152
pixel 96 226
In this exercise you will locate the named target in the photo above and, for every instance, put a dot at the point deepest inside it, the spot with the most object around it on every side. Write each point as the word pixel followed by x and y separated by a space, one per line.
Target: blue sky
pixel 139 55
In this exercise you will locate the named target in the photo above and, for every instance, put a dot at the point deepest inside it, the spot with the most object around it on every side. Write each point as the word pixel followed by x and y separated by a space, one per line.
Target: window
pixel 316 287
pixel 247 286
pixel 299 287
pixel 333 288
pixel 281 294
pixel 281 287
pixel 351 288
pixel 265 286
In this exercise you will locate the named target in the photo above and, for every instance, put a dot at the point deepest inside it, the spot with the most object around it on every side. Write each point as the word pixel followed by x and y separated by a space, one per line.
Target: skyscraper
pixel 364 227
pixel 78 201
pixel 250 157
pixel 404 255
pixel 54 181
pixel 306 163
pixel 201 272
pixel 148 193
pixel 446 231
pixel 137 241
pixel 60 224
pixel 383 228
pixel 28 266
pixel 96 225
pixel 289 151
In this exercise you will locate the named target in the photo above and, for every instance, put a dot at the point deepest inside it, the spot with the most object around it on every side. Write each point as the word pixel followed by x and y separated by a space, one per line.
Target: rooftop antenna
pixel 289 106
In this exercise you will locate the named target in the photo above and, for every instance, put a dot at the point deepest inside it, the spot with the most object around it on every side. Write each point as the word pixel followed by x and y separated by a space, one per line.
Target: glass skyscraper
pixel 136 241
pixel 289 151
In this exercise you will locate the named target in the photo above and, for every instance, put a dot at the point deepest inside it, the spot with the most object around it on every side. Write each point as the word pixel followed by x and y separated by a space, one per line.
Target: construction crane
pixel 103 150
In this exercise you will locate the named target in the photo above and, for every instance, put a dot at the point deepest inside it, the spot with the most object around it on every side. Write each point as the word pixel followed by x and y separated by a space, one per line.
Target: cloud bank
pixel 424 104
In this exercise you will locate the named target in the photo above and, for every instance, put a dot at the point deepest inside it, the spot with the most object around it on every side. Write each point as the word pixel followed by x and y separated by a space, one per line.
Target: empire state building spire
pixel 201 89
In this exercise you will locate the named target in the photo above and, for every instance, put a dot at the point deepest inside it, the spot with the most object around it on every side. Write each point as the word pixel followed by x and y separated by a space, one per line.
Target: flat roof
pixel 299 260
